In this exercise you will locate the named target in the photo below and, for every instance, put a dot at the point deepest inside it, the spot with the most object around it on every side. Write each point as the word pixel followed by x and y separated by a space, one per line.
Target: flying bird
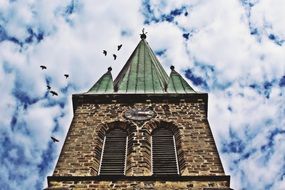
pixel 186 35
pixel 48 87
pixel 54 139
pixel 66 75
pixel 53 93
pixel 105 52
pixel 43 67
pixel 120 46
pixel 186 13
pixel 115 56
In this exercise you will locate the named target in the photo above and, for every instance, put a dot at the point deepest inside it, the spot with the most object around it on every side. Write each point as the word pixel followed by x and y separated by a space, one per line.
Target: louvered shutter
pixel 113 158
pixel 164 152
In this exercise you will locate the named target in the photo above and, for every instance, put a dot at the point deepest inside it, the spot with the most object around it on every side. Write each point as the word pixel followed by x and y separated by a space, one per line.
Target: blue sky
pixel 233 50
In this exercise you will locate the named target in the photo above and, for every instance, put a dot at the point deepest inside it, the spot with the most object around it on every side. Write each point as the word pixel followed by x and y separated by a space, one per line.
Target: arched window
pixel 113 157
pixel 164 156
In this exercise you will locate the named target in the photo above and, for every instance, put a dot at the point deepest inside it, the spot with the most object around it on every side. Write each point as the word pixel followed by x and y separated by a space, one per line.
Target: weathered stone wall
pixel 197 153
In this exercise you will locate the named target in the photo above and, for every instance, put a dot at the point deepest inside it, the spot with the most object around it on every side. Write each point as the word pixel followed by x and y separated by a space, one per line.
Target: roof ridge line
pixel 158 69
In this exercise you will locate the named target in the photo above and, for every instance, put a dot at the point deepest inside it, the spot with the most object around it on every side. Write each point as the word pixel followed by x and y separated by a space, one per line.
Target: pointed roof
pixel 142 73
pixel 104 84
pixel 177 84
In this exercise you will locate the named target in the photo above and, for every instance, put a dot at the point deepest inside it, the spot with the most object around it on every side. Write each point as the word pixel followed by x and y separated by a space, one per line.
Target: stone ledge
pixel 140 178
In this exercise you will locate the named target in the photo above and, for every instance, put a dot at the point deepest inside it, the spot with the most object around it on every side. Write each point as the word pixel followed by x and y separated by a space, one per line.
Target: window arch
pixel 113 157
pixel 164 155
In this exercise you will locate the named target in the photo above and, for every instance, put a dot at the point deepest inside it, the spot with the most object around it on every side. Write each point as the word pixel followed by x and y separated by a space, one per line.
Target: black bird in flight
pixel 66 75
pixel 43 67
pixel 54 139
pixel 105 52
pixel 53 93
pixel 186 13
pixel 120 46
pixel 48 87
pixel 115 56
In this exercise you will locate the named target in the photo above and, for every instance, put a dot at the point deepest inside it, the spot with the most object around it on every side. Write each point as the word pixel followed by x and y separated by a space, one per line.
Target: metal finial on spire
pixel 172 68
pixel 109 68
pixel 143 35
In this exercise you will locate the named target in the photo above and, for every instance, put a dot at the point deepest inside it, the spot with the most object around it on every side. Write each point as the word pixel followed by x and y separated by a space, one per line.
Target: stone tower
pixel 144 130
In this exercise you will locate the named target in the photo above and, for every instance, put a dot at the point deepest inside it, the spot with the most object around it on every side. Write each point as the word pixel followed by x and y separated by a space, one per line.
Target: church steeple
pixel 142 74
pixel 145 131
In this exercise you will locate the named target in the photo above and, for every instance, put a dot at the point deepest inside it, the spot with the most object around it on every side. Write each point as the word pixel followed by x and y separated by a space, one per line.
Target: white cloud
pixel 221 38
pixel 268 15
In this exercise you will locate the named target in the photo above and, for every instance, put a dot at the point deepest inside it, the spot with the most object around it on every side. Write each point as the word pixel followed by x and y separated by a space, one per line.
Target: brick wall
pixel 197 154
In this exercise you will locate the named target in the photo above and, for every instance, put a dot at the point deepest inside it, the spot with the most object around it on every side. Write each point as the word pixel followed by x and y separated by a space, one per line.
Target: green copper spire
pixel 142 73
pixel 177 84
pixel 104 85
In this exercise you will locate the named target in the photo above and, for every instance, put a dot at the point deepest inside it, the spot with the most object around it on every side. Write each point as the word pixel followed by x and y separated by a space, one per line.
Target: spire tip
pixel 143 35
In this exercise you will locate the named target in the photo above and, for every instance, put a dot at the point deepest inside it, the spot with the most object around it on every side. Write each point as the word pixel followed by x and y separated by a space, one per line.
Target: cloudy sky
pixel 232 49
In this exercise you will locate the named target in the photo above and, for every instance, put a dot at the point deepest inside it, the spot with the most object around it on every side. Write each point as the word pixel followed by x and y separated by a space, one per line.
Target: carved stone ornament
pixel 139 114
